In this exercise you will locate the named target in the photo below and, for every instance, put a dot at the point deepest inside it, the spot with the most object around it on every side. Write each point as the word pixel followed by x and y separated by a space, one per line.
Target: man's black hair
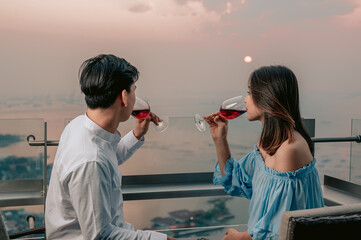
pixel 104 77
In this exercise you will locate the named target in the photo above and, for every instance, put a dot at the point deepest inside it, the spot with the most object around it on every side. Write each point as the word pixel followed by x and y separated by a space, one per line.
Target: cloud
pixel 140 8
pixel 195 21
pixel 181 2
pixel 225 7
pixel 164 21
pixel 353 18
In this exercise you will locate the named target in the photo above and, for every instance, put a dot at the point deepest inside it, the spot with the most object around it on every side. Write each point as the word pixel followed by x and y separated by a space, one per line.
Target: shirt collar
pixel 100 132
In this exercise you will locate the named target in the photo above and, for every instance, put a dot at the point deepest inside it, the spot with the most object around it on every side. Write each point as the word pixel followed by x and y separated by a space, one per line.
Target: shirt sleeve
pixel 90 186
pixel 237 180
pixel 127 146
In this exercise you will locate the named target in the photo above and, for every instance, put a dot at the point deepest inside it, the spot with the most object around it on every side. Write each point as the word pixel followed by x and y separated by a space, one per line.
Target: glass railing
pixel 182 148
pixel 18 160
pixel 179 149
pixel 355 156
pixel 21 173
pixel 333 159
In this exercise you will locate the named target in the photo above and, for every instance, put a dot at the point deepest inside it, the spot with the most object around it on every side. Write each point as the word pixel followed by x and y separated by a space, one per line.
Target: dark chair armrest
pixel 38 230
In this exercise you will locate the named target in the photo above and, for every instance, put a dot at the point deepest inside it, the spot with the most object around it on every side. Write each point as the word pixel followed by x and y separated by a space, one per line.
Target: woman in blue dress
pixel 279 174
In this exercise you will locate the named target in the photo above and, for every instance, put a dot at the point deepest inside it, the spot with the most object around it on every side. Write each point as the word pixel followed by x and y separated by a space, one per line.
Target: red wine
pixel 141 113
pixel 231 113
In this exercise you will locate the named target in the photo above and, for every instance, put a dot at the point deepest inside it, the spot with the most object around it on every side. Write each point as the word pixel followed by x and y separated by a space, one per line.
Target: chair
pixel 4 235
pixel 337 222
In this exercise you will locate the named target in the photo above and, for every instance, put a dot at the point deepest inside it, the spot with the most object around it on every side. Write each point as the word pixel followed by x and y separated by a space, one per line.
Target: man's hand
pixel 142 125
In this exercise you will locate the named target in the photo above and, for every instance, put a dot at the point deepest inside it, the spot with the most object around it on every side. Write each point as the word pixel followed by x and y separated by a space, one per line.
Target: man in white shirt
pixel 84 200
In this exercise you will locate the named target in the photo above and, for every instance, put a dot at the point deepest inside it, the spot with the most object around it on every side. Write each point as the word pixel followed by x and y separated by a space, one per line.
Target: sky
pixel 189 52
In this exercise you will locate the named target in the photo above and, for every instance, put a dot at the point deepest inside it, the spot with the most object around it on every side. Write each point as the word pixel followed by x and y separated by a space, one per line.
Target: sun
pixel 247 59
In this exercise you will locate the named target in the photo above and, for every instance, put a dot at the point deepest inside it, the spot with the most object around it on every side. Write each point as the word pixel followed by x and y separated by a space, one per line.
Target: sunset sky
pixel 190 53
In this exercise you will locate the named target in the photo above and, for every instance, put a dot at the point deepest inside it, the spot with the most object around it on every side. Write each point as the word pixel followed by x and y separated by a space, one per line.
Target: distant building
pixel 181 215
pixel 163 222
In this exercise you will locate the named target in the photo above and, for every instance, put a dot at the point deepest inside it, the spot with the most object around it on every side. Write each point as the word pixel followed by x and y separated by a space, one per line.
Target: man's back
pixel 80 150
pixel 84 199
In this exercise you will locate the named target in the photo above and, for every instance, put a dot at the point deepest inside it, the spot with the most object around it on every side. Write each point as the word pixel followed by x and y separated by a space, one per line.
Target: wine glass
pixel 141 110
pixel 230 109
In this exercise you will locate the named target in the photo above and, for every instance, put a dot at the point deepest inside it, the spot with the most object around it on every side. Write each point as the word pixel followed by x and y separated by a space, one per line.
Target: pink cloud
pixel 352 19
pixel 140 8
pixel 165 21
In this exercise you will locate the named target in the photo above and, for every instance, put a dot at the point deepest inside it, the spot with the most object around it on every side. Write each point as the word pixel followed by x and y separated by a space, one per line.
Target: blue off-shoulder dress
pixel 271 192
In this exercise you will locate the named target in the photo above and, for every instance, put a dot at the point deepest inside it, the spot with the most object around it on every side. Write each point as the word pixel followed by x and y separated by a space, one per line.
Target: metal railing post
pixel 45 161
pixel 310 125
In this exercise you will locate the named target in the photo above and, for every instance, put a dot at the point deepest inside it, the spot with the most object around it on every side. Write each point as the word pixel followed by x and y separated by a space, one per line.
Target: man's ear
pixel 124 98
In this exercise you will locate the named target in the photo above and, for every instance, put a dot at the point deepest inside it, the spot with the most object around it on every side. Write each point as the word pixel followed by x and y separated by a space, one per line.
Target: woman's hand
pixel 142 125
pixel 218 126
pixel 233 234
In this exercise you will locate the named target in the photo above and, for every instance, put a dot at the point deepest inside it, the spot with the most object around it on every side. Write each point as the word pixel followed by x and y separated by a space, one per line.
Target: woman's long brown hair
pixel 275 90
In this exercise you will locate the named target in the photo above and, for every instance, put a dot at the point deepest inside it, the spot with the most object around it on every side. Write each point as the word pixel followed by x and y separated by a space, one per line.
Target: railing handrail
pixel 356 138
pixel 161 186
pixel 50 143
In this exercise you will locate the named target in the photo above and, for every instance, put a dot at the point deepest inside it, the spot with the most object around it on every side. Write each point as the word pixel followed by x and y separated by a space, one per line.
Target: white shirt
pixel 85 200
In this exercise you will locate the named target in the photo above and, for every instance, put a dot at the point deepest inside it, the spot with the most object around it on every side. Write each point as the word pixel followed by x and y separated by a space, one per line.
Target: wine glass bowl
pixel 230 109
pixel 233 107
pixel 141 110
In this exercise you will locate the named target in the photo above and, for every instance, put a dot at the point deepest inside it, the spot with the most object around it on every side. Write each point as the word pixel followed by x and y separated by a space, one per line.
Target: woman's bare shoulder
pixel 292 156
